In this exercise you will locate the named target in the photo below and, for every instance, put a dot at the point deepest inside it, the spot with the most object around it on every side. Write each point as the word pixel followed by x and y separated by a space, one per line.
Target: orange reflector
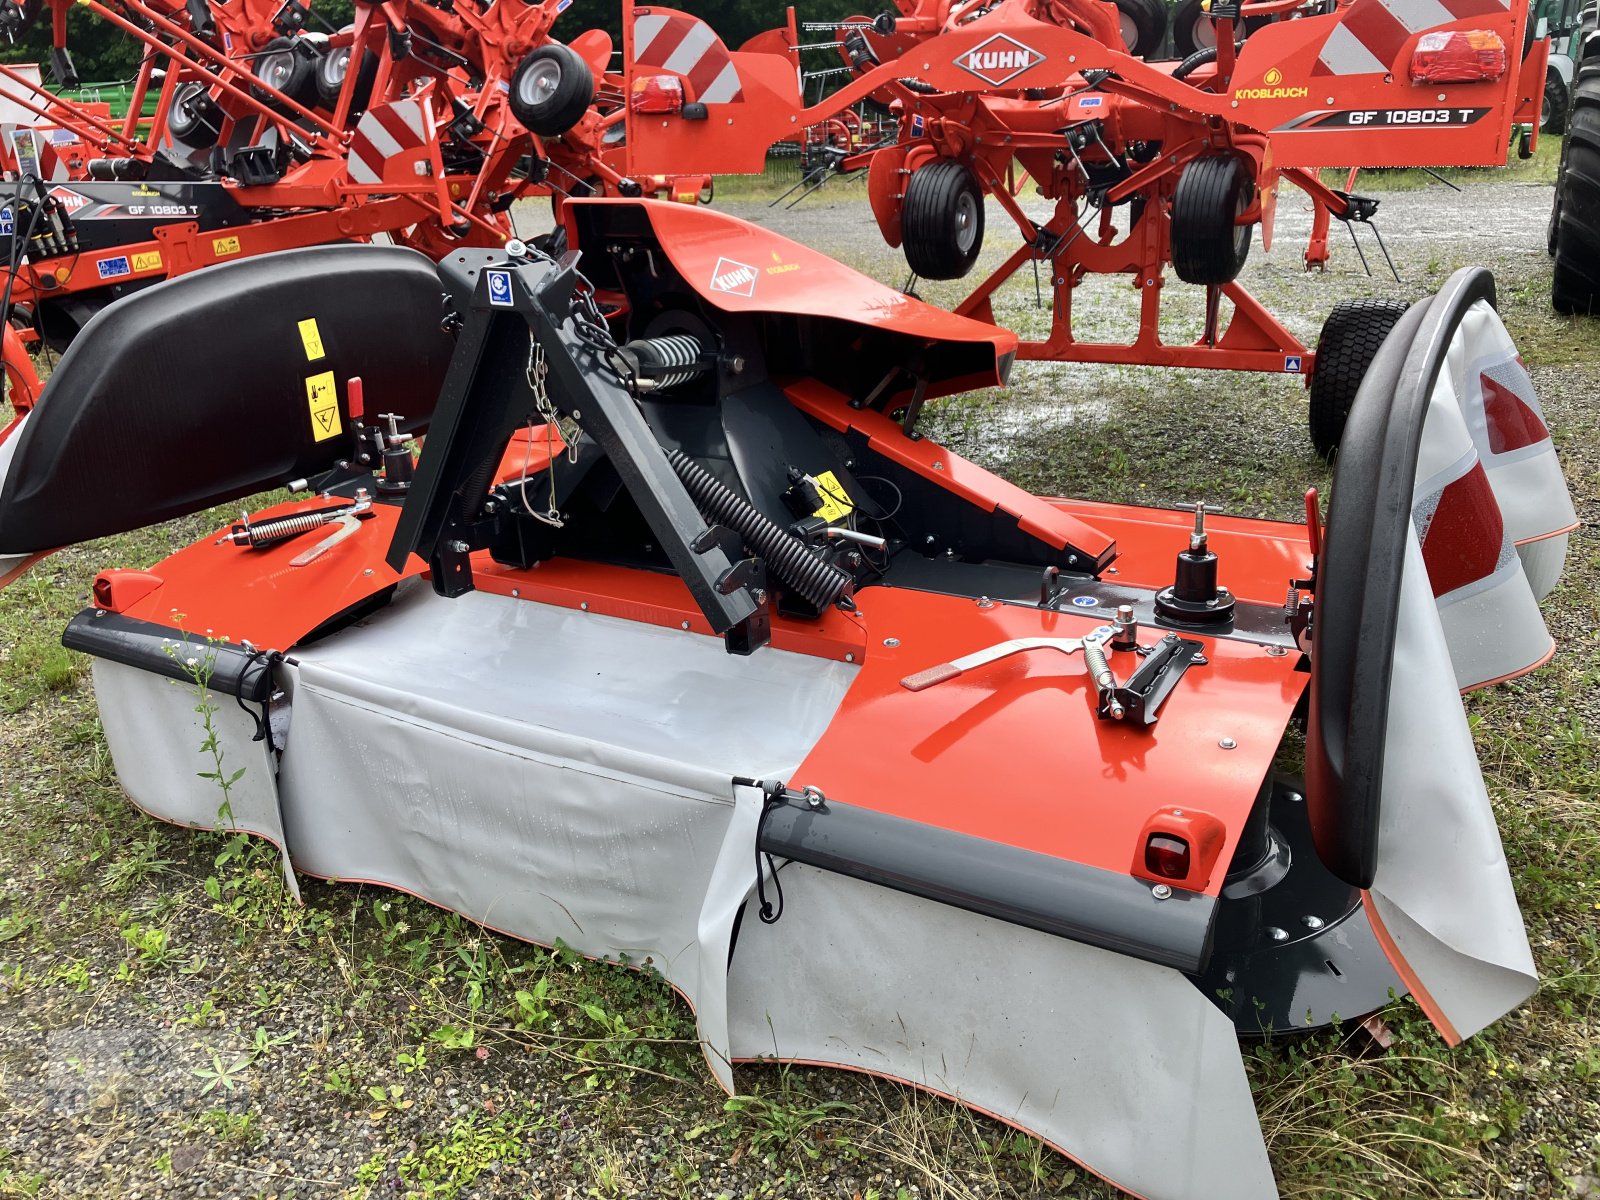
pixel 1464 56
pixel 657 94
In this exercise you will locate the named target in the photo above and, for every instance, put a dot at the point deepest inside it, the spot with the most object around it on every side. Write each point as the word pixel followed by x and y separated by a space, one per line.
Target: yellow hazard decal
pixel 226 245
pixel 322 396
pixel 311 337
pixel 836 504
pixel 150 260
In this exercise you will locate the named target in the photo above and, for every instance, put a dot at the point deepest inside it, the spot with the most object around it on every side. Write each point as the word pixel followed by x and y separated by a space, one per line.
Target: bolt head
pixel 1276 934
pixel 1311 922
pixel 891 642
pixel 1162 891
pixel 1228 743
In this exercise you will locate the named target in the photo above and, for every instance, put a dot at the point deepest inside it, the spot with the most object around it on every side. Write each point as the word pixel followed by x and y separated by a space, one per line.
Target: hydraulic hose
pixel 787 557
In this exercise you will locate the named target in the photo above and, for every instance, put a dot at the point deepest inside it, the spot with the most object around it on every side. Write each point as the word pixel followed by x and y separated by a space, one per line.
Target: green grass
pixel 1541 168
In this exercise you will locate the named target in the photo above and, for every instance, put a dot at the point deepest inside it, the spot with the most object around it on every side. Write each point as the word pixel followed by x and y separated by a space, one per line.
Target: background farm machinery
pixel 262 136
pixel 1150 166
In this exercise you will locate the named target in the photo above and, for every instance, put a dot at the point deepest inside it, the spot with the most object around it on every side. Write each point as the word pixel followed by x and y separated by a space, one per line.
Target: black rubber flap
pixel 219 384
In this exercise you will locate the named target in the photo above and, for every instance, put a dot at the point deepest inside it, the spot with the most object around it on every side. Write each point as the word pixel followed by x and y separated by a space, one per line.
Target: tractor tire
pixel 194 119
pixel 551 89
pixel 941 220
pixel 288 67
pixel 1208 246
pixel 1555 202
pixel 1349 341
pixel 1144 25
pixel 1192 29
pixel 1553 113
pixel 1575 287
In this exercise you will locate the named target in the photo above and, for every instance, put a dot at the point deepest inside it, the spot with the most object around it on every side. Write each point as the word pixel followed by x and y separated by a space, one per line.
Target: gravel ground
pixel 171 1026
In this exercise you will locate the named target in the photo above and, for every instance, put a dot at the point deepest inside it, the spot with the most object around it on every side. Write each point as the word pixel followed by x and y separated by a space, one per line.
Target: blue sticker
pixel 1091 102
pixel 563 6
pixel 1291 364
pixel 917 126
pixel 8 223
pixel 113 268
pixel 1085 601
pixel 499 288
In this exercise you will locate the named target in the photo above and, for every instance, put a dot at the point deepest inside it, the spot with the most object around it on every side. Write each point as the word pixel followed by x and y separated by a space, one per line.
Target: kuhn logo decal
pixel 1272 89
pixel 69 200
pixel 999 59
pixel 735 278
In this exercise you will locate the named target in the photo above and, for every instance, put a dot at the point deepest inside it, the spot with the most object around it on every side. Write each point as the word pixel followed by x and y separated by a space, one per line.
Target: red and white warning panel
pixel 389 140
pixel 687 46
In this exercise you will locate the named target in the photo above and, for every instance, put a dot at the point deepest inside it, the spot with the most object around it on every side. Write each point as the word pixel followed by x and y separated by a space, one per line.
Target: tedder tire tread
pixel 551 89
pixel 1575 286
pixel 941 220
pixel 1349 341
pixel 1149 21
pixel 1208 247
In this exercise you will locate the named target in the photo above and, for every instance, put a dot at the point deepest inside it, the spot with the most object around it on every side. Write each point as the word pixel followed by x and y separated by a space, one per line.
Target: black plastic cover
pixel 1358 578
pixel 1071 900
pixel 164 651
pixel 200 389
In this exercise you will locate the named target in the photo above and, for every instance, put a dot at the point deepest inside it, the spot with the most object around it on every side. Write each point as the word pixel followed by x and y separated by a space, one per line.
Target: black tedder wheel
pixel 1553 114
pixel 551 89
pixel 1350 339
pixel 1192 28
pixel 195 120
pixel 941 222
pixel 1144 25
pixel 1208 245
pixel 1576 285
pixel 290 67
pixel 332 68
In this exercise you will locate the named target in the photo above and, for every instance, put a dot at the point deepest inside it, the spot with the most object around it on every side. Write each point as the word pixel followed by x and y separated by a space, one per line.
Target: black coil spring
pixel 786 556
pixel 677 350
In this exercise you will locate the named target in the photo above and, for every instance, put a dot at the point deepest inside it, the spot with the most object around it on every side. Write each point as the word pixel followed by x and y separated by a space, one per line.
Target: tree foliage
pixel 104 53
pixel 735 21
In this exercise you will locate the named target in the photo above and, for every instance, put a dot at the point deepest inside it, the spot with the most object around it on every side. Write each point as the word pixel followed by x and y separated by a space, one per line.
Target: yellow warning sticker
pixel 225 245
pixel 322 396
pixel 836 504
pixel 311 337
pixel 148 261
